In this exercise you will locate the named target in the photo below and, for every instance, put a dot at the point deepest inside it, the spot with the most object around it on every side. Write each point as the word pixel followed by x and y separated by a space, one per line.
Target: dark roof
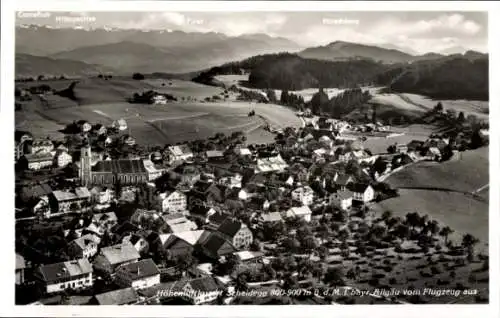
pixel 200 210
pixel 204 284
pixel 120 166
pixel 36 191
pixel 53 272
pixel 230 227
pixel 358 187
pixel 343 179
pixel 141 269
pixel 18 134
pixel 218 218
pixel 118 297
pixel 214 244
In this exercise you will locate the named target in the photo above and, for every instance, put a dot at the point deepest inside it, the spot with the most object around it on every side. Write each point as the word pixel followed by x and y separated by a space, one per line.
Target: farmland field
pixel 412 132
pixel 104 101
pixel 460 211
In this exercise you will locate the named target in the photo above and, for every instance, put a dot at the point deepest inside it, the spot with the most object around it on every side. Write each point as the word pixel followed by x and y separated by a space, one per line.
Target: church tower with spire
pixel 85 165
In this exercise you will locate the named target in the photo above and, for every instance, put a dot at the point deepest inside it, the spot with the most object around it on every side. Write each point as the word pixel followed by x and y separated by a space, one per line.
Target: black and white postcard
pixel 223 156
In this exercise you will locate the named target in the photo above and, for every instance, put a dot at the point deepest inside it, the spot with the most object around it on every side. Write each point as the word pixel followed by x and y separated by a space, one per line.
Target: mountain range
pixel 123 51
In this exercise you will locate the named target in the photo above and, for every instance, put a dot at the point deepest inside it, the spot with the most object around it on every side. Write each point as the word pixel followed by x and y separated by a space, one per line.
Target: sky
pixel 414 32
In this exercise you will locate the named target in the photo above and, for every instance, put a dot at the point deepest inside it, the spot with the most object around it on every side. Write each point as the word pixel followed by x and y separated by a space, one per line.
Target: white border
pixel 7 126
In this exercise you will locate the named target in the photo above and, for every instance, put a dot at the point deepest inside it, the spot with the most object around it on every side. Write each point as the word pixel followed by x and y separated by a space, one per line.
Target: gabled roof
pixel 120 253
pixel 272 217
pixel 118 297
pixel 141 269
pixel 191 237
pixel 343 195
pixel 204 284
pixel 217 246
pixel 298 211
pixel 344 179
pixel 57 271
pixel 358 187
pixel 230 227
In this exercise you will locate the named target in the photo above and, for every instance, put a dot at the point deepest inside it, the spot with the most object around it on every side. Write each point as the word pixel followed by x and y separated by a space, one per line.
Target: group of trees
pixel 340 104
pixel 441 78
pixel 147 97
pixel 291 99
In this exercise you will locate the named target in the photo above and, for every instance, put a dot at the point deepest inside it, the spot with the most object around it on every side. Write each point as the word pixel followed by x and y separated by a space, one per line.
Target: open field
pixel 412 132
pixel 438 189
pixel 395 101
pixel 103 101
pixel 477 108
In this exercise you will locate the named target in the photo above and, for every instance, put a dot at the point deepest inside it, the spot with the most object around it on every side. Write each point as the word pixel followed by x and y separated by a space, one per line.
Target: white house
pixel 76 274
pixel 42 146
pixel 302 212
pixel 102 195
pixel 343 199
pixel 138 275
pixel 66 200
pixel 120 124
pixel 39 161
pixel 275 163
pixel 362 192
pixel 173 202
pixel 63 159
pixel 305 195
pixel 110 257
pixel 153 172
pixel 180 153
pixel 160 100
pixel 84 246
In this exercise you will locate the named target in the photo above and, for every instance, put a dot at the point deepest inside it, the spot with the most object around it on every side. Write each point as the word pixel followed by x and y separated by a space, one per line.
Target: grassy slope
pixel 461 212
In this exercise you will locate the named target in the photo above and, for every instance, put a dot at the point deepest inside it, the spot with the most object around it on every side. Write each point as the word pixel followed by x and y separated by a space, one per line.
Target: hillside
pixel 340 50
pixel 291 72
pixel 462 77
pixel 32 66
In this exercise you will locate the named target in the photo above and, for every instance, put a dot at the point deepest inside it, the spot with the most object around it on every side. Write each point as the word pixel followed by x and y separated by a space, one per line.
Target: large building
pixel 108 172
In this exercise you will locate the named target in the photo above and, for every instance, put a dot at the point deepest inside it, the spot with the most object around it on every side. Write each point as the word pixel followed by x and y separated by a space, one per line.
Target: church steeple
pixel 85 165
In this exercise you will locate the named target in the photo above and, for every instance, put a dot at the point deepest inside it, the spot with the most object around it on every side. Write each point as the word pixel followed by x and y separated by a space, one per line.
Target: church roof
pixel 120 166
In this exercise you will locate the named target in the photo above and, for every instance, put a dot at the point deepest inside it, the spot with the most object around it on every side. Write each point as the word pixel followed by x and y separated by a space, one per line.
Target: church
pixel 109 172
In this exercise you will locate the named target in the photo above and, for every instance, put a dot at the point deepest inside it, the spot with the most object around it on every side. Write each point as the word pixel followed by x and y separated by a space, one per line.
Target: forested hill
pixel 448 78
pixel 291 72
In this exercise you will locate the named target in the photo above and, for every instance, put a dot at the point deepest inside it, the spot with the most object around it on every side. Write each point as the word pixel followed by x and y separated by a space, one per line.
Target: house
pixel 236 232
pixel 104 221
pixel 63 158
pixel 84 246
pixel 205 192
pixel 39 161
pixel 180 153
pixel 41 146
pixel 110 257
pixel 137 241
pixel 362 192
pixel 159 99
pixel 22 139
pixel 248 256
pixel 42 206
pixel 138 275
pixel 231 181
pixel 343 199
pixel 147 218
pixel 213 245
pixel 75 274
pixel 124 296
pixel 181 243
pixel 188 173
pixel 20 267
pixel 434 154
pixel 172 202
pixel 201 290
pixel 102 195
pixel 119 124
pixel 152 170
pixel 179 224
pixel 242 152
pixel 401 148
pixel 343 180
pixel 271 217
pixel 302 212
pixel 214 155
pixel 275 163
pixel 304 195
pixel 64 201
pixel 259 203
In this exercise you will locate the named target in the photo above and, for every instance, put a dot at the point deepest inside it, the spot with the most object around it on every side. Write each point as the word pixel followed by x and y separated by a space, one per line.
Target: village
pixel 102 220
